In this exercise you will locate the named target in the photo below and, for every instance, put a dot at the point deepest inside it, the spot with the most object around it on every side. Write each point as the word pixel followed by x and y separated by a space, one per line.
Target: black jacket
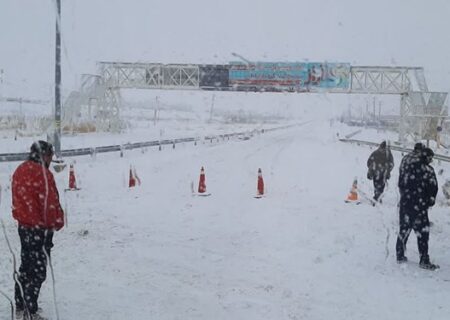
pixel 380 164
pixel 417 182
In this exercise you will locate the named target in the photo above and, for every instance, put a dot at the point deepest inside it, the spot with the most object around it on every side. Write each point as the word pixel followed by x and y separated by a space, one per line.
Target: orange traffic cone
pixel 260 185
pixel 72 180
pixel 353 195
pixel 202 182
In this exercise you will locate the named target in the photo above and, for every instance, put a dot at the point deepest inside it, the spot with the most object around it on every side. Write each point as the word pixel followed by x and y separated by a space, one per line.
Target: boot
pixel 426 264
pixel 23 315
pixel 37 316
pixel 34 316
pixel 402 259
pixel 19 314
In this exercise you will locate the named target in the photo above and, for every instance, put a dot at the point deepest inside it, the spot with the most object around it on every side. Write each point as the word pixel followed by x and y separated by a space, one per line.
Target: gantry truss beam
pixel 150 75
pixel 363 79
pixel 385 80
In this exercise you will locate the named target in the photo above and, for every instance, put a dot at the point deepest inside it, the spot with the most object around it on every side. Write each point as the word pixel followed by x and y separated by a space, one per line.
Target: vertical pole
pixel 379 110
pixel 374 112
pixel 363 115
pixel 155 115
pixel 212 107
pixel 379 114
pixel 438 138
pixel 57 135
pixel 403 114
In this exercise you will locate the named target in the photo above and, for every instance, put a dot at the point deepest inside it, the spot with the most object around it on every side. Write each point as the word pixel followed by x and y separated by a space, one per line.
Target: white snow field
pixel 158 252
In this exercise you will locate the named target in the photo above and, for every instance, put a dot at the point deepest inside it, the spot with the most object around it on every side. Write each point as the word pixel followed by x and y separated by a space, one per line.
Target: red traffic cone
pixel 132 180
pixel 202 182
pixel 260 185
pixel 72 180
pixel 353 195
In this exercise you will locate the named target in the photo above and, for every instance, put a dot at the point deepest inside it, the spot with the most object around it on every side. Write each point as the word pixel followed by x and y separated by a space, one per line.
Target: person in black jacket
pixel 418 189
pixel 380 165
pixel 418 148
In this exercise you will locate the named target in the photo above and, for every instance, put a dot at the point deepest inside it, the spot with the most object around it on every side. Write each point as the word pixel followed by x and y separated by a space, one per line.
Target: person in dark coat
pixel 418 189
pixel 414 154
pixel 380 165
pixel 36 207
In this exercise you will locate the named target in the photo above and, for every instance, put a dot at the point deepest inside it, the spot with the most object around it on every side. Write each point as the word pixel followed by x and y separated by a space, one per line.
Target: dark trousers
pixel 417 220
pixel 378 185
pixel 33 267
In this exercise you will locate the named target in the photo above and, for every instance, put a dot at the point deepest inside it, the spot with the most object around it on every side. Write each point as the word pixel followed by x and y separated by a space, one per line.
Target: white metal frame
pixel 421 113
pixel 418 111
pixel 150 75
pixel 380 80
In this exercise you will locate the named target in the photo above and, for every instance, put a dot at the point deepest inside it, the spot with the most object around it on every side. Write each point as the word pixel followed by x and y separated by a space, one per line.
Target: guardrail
pixel 393 147
pixel 353 134
pixel 11 157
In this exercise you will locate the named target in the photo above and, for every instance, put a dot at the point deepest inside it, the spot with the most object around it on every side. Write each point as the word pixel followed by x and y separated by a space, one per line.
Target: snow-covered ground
pixel 158 252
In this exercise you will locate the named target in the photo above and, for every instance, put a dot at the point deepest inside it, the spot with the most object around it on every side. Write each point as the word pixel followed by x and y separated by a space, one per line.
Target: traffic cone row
pixel 135 180
pixel 132 182
pixel 202 184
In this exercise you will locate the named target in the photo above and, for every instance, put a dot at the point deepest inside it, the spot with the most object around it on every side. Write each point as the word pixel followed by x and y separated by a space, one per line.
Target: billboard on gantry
pixel 290 76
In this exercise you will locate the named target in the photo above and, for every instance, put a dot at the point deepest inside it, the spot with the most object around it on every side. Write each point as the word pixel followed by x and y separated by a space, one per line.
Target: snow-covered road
pixel 157 252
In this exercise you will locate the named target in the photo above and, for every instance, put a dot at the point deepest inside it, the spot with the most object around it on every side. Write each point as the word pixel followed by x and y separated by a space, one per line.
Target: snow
pixel 158 252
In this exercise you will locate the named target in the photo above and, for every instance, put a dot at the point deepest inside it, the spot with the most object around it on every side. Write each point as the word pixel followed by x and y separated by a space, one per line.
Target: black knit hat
pixel 40 148
pixel 418 146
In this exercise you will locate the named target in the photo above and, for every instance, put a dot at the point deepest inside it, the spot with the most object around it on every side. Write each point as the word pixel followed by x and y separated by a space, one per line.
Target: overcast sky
pixel 381 32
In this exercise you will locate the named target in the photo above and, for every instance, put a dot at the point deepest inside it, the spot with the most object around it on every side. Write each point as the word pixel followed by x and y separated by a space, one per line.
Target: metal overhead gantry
pixel 421 111
pixel 419 108
pixel 371 80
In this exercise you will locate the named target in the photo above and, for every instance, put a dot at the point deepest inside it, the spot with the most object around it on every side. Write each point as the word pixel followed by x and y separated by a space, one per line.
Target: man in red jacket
pixel 36 207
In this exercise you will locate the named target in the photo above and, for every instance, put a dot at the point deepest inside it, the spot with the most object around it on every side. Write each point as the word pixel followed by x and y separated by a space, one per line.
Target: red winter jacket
pixel 35 198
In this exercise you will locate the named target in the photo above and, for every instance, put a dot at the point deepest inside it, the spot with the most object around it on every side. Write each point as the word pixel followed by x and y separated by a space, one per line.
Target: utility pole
pixel 57 135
